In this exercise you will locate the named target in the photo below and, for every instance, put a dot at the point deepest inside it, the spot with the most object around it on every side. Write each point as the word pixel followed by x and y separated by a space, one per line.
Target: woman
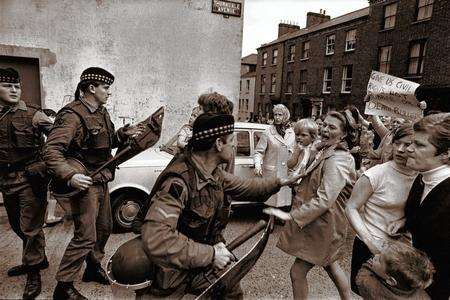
pixel 380 195
pixel 272 152
pixel 316 227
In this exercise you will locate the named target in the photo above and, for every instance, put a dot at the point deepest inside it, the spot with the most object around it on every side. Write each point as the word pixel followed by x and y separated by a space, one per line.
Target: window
pixel 330 44
pixel 256 136
pixel 246 104
pixel 327 78
pixel 273 83
pixel 240 85
pixel 390 11
pixel 384 59
pixel 248 85
pixel 305 50
pixel 424 9
pixel 274 56
pixel 264 59
pixel 291 53
pixel 303 81
pixel 347 74
pixel 242 143
pixel 263 83
pixel 289 79
pixel 416 57
pixel 350 40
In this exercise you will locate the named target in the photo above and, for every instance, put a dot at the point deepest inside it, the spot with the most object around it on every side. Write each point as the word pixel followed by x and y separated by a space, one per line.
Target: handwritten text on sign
pixel 392 96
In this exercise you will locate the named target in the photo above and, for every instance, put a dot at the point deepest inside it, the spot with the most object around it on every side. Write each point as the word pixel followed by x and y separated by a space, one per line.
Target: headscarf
pixel 285 123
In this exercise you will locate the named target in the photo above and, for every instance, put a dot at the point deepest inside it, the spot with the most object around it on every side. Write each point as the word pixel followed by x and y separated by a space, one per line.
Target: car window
pixel 257 136
pixel 243 143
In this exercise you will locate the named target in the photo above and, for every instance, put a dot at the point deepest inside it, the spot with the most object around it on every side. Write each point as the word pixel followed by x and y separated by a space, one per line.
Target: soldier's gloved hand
pixel 131 130
pixel 80 181
pixel 222 257
pixel 258 170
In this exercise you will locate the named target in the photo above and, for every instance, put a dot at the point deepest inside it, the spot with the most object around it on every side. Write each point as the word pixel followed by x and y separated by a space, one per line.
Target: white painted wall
pixel 161 51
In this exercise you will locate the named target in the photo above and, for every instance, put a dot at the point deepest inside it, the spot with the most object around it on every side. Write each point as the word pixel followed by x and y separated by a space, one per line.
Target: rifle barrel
pixel 246 235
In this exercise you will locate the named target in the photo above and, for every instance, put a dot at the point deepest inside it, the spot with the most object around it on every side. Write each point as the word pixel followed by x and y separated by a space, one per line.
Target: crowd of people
pixel 392 193
pixel 388 178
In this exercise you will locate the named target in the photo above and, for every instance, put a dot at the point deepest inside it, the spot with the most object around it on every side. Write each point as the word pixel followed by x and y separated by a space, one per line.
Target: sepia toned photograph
pixel 224 149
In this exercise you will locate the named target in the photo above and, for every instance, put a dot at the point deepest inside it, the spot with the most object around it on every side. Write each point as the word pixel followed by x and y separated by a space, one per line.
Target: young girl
pixel 306 131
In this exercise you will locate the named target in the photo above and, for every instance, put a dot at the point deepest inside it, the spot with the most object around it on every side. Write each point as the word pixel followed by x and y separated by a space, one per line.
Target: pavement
pixel 269 279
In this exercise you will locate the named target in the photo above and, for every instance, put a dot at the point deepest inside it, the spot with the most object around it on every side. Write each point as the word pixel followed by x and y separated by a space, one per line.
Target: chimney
pixel 286 27
pixel 313 18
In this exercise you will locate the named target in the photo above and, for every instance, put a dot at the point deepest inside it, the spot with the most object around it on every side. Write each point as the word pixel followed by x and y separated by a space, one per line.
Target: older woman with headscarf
pixel 272 152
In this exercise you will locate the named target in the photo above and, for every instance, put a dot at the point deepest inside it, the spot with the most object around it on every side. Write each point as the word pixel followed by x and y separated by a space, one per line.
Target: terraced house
pixel 327 64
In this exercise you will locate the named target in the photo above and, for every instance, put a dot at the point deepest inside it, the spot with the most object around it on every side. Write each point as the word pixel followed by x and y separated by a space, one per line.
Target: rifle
pixel 150 135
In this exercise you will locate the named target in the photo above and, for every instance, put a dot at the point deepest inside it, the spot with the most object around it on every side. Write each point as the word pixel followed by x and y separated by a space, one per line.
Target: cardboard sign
pixel 392 96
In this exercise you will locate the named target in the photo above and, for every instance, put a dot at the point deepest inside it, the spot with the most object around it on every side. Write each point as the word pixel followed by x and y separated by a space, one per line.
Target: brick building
pixel 247 88
pixel 327 64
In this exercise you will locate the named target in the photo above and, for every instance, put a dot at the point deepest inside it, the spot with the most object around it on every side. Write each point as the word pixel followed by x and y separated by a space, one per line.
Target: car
pixel 135 178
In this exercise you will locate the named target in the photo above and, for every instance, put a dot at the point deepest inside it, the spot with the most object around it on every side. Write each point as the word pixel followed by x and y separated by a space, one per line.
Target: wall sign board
pixel 226 8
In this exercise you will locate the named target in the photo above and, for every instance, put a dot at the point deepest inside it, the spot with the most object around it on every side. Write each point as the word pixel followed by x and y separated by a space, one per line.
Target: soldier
pixel 189 209
pixel 22 177
pixel 83 130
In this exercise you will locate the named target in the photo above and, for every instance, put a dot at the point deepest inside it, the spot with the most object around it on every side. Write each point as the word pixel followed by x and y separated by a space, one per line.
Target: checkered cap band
pixel 102 78
pixel 9 75
pixel 9 79
pixel 213 132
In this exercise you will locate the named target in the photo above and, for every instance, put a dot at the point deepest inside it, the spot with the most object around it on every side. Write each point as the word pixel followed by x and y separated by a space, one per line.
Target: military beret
pixel 9 75
pixel 98 74
pixel 211 126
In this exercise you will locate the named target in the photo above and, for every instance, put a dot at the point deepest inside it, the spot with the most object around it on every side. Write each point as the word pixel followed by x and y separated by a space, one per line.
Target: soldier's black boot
pixel 33 285
pixel 66 291
pixel 95 272
pixel 23 269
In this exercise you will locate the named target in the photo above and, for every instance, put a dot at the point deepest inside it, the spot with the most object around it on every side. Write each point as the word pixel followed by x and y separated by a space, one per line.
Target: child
pixel 399 272
pixel 306 131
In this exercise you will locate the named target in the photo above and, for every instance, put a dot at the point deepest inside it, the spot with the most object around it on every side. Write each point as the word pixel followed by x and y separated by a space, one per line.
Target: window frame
pixel 274 56
pixel 273 83
pixel 291 53
pixel 420 59
pixel 264 58
pixel 390 17
pixel 303 82
pixel 238 132
pixel 424 7
pixel 263 84
pixel 289 82
pixel 305 51
pixel 346 79
pixel 385 63
pixel 330 47
pixel 326 80
pixel 348 42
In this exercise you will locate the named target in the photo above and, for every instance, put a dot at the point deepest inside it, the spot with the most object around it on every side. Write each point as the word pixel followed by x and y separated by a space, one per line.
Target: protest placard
pixel 392 96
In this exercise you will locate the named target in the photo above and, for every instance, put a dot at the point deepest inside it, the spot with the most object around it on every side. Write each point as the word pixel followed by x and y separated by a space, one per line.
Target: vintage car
pixel 135 178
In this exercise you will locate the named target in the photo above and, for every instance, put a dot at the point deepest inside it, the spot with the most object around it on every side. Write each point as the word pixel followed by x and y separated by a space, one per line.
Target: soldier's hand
pixel 80 181
pixel 132 130
pixel 222 257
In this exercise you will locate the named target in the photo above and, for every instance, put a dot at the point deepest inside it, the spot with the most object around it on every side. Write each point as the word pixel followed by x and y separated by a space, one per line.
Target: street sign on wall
pixel 226 8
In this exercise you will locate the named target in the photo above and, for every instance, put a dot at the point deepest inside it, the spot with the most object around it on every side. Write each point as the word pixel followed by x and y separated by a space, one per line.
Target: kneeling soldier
pixel 189 209
pixel 83 131
pixel 22 176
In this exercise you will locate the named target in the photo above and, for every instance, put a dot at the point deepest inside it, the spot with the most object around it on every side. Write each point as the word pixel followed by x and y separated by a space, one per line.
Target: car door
pixel 244 160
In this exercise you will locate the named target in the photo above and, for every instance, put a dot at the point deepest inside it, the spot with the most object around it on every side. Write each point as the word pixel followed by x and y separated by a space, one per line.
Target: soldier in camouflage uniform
pixel 83 130
pixel 182 231
pixel 22 176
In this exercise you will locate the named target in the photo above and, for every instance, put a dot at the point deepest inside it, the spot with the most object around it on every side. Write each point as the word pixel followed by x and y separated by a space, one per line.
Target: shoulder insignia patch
pixel 176 189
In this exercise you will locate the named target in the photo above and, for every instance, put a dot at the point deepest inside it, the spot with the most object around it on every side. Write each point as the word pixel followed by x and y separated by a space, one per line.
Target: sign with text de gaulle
pixel 227 8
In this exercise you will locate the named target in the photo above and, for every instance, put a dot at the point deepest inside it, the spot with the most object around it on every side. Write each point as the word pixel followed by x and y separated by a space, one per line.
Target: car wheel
pixel 125 207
